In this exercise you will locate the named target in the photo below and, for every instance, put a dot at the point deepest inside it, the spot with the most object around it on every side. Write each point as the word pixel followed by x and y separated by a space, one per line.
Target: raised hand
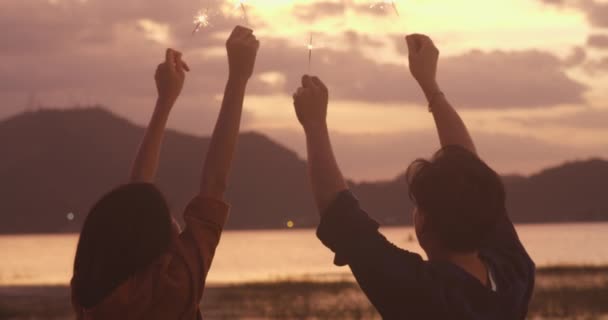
pixel 170 76
pixel 310 102
pixel 423 57
pixel 242 47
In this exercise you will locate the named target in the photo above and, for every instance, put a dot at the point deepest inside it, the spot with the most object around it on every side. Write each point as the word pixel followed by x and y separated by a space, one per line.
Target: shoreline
pixel 313 227
pixel 562 292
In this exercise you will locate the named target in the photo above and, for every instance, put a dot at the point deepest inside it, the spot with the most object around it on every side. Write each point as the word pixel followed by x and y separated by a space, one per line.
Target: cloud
pixel 596 11
pixel 597 66
pixel 72 51
pixel 494 80
pixel 598 41
pixel 328 9
pixel 576 58
pixel 589 118
pixel 319 10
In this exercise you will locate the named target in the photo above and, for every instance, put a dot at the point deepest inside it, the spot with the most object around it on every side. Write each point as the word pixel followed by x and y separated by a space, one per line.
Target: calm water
pixel 272 255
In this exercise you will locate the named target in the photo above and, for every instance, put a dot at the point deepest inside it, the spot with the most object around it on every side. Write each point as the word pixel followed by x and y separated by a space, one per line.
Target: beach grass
pixel 561 293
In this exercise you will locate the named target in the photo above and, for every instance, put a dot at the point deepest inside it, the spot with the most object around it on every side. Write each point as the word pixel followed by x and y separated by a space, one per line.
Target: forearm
pixel 450 127
pixel 145 165
pixel 325 176
pixel 223 141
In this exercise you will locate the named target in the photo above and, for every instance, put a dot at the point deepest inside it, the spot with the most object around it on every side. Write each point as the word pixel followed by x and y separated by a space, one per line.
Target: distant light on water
pixel 290 224
pixel 70 216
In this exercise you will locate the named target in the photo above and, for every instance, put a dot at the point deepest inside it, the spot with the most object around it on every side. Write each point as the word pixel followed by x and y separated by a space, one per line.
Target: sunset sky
pixel 530 77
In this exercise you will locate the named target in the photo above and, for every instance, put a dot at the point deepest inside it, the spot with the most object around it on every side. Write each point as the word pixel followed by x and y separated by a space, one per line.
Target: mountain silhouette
pixel 57 163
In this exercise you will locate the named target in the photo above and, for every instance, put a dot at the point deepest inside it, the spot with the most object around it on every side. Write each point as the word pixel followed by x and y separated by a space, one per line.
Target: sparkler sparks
pixel 385 3
pixel 201 20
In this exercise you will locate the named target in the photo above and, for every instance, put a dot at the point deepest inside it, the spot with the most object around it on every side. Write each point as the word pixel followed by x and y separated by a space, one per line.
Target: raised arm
pixel 242 47
pixel 423 58
pixel 170 76
pixel 310 102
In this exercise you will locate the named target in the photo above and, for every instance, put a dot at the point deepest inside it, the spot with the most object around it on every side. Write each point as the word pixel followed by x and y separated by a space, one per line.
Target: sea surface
pixel 246 256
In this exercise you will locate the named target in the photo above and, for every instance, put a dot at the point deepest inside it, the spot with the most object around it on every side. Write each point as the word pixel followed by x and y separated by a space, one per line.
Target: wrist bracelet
pixel 434 97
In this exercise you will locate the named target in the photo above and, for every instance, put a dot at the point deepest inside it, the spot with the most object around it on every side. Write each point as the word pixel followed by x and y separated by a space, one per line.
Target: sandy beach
pixel 561 293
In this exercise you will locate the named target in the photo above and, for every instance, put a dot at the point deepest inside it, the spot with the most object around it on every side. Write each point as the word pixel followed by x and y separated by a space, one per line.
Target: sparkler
pixel 384 3
pixel 310 47
pixel 201 20
pixel 241 4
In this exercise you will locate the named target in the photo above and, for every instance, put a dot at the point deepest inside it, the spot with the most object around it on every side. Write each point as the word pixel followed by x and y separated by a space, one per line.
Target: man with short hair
pixel 477 268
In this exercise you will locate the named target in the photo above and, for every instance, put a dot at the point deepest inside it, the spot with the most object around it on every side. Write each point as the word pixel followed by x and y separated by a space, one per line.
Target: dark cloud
pixel 497 79
pixel 598 41
pixel 505 79
pixel 597 66
pixel 576 58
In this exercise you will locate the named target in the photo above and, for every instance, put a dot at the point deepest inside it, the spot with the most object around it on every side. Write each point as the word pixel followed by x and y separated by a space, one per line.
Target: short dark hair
pixel 125 231
pixel 460 196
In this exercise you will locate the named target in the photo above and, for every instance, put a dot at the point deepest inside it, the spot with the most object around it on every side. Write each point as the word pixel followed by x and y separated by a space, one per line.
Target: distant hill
pixel 57 162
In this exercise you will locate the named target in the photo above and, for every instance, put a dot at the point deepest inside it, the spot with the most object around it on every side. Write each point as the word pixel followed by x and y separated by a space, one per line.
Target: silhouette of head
pixel 124 232
pixel 458 200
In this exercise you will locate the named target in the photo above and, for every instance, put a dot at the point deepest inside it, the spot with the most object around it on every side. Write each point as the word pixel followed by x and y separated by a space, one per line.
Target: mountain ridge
pixel 57 162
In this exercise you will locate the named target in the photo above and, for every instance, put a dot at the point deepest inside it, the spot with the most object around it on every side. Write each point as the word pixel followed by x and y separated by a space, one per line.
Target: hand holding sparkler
pixel 242 47
pixel 310 102
pixel 170 76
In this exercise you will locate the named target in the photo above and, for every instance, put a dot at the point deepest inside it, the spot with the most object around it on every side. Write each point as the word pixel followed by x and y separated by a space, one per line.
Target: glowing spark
pixel 201 20
pixel 384 3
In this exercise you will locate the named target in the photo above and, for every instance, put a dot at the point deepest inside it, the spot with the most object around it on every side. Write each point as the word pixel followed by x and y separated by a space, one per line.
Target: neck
pixel 469 262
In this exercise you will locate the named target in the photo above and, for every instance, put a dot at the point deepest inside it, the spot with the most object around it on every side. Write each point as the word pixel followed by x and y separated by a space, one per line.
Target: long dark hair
pixel 125 231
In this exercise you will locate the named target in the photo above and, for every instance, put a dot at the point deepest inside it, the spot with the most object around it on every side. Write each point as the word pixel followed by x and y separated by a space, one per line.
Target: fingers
pixel 240 33
pixel 318 83
pixel 298 93
pixel 185 65
pixel 174 61
pixel 313 83
pixel 170 59
pixel 419 42
pixel 242 36
pixel 251 41
pixel 306 81
pixel 180 63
